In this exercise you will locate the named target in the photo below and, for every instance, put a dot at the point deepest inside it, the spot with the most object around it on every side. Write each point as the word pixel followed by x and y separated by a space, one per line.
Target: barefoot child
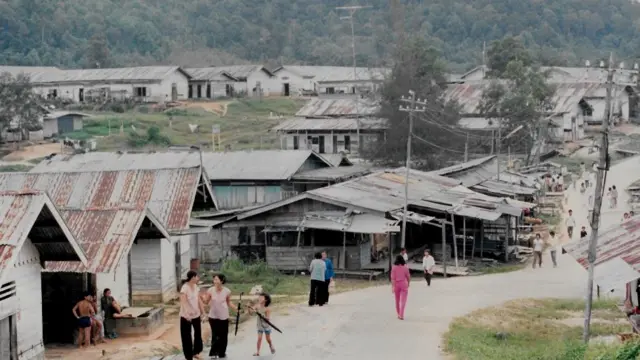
pixel 263 328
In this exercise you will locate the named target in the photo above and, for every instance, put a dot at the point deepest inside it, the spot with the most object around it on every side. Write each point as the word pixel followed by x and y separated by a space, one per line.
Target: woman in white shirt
pixel 428 265
pixel 191 310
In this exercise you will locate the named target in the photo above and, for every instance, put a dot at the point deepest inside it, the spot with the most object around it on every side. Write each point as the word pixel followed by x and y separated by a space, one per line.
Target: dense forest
pixel 203 32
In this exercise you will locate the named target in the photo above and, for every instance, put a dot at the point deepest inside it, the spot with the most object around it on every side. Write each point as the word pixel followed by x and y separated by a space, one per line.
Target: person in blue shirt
pixel 328 276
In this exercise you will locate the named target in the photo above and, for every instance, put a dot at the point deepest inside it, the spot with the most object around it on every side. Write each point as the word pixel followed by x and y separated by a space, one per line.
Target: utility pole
pixel 411 109
pixel 352 10
pixel 603 167
pixel 498 143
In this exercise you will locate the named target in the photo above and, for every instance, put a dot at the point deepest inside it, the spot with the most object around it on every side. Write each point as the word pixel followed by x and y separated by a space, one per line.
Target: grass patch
pixel 242 277
pixel 552 220
pixel 535 329
pixel 15 168
pixel 245 125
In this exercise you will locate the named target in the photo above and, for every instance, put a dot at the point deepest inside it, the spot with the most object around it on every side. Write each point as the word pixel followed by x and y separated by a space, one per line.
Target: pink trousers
pixel 400 293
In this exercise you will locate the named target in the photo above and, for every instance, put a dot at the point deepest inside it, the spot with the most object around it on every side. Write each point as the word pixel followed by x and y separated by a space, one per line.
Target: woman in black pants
pixel 191 310
pixel 219 299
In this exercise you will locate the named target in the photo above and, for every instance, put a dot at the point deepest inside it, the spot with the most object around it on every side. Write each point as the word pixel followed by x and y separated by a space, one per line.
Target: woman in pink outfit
pixel 400 279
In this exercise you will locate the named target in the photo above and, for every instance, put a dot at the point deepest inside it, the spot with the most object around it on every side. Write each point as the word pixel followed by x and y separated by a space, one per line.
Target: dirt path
pixel 216 107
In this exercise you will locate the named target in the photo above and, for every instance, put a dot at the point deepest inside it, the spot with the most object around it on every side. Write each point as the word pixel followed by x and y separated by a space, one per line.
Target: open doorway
pixel 208 90
pixel 287 91
pixel 9 338
pixel 174 92
pixel 81 95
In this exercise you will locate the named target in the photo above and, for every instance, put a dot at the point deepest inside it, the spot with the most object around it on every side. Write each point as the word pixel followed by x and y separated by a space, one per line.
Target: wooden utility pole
pixel 466 149
pixel 412 108
pixel 603 167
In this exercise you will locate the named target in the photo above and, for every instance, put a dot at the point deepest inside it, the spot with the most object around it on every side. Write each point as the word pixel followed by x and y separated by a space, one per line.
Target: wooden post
pixel 455 242
pixel 473 244
pixel 464 236
pixel 298 246
pixel 344 252
pixel 443 226
pixel 481 238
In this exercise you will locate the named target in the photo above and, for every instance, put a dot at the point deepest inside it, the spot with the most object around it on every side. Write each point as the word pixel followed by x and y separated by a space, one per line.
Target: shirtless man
pixel 84 311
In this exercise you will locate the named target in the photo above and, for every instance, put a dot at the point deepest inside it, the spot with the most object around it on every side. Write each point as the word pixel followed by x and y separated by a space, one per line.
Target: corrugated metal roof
pixel 19 211
pixel 450 170
pixel 141 73
pixel 479 123
pixel 302 124
pixel 343 107
pixel 168 193
pixel 333 173
pixel 383 192
pixel 337 159
pixel 564 74
pixel 618 242
pixel 257 165
pixel 337 73
pixel 210 74
pixel 335 221
pixel 116 161
pixel 240 72
pixel 105 236
pixel 35 73
pixel 468 95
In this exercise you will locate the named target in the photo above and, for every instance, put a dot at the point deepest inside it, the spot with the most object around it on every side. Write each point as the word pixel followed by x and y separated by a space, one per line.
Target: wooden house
pixel 33 235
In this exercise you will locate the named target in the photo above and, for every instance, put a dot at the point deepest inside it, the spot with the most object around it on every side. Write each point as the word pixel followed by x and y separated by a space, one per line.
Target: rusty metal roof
pixel 139 73
pixel 343 107
pixel 106 236
pixel 303 124
pixel 468 95
pixel 618 242
pixel 168 193
pixel 117 161
pixel 19 211
pixel 240 72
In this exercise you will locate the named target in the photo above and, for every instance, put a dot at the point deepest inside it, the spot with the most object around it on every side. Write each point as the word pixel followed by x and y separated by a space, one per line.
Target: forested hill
pixel 200 32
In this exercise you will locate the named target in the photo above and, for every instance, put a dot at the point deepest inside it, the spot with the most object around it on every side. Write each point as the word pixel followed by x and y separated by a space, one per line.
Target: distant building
pixel 307 80
pixel 56 123
pixel 331 126
pixel 251 80
pixel 145 83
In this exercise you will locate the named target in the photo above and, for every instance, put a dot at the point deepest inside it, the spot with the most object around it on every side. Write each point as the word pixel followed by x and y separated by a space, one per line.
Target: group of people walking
pixel 218 299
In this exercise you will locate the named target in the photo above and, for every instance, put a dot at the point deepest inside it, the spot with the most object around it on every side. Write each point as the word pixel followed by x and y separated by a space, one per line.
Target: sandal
pixel 256 354
pixel 273 350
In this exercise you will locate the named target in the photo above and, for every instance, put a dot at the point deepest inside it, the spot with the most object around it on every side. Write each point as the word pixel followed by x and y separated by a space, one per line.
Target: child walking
pixel 263 328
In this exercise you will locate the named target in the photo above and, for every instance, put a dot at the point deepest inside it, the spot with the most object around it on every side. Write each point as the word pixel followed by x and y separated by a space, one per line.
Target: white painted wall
pixel 26 273
pixel 49 127
pixel 304 143
pixel 117 281
pixel 295 81
pixel 156 92
pixel 270 85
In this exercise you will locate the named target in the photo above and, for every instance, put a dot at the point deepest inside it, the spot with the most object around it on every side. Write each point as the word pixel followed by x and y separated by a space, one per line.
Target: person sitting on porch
pixel 112 311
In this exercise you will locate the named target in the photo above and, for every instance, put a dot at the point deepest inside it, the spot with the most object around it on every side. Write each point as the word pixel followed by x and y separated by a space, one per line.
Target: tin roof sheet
pixel 210 74
pixel 117 161
pixel 337 159
pixel 257 165
pixel 19 211
pixel 337 73
pixel 35 73
pixel 348 124
pixel 140 73
pixel 240 72
pixel 333 173
pixel 168 193
pixel 105 236
pixel 342 107
pixel 618 242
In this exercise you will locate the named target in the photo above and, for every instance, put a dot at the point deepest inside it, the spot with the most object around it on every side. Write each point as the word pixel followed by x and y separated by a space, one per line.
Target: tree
pixel 20 110
pixel 520 97
pixel 417 67
pixel 97 52
pixel 504 51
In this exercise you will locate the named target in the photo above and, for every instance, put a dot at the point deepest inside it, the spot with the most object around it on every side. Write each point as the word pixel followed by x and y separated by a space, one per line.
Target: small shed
pixel 32 234
pixel 62 122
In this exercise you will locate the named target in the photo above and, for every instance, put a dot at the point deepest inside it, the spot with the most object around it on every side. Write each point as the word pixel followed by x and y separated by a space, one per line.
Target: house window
pixel 52 94
pixel 140 91
pixel 244 238
pixel 296 142
pixel 331 90
pixel 347 143
pixel 587 111
pixel 261 236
